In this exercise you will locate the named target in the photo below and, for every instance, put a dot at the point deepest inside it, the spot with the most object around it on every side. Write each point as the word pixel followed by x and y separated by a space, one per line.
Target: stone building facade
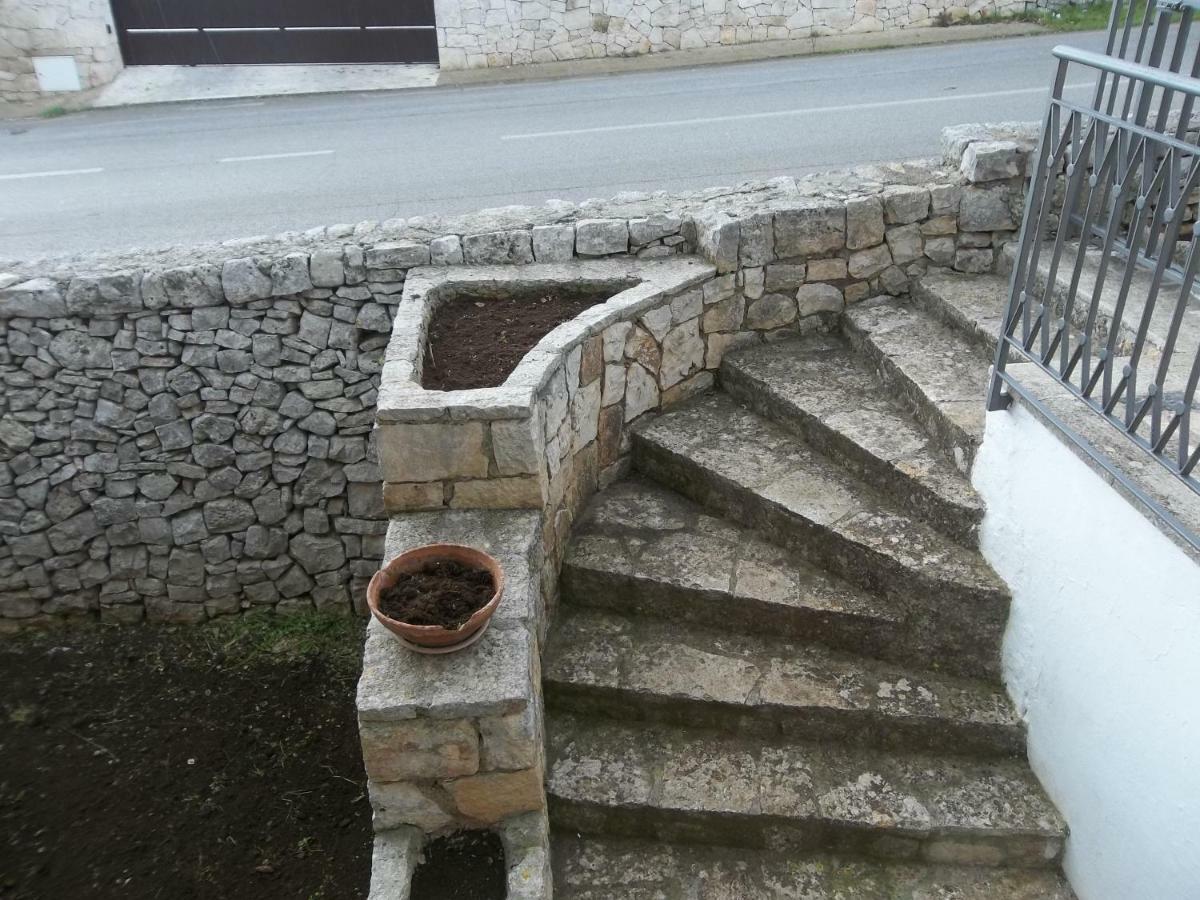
pixel 81 29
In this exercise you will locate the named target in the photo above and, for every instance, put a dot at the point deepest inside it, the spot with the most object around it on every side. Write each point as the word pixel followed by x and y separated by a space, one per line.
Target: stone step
pixel 819 388
pixel 973 305
pixel 641 549
pixel 934 369
pixel 692 786
pixel 601 868
pixel 730 459
pixel 638 669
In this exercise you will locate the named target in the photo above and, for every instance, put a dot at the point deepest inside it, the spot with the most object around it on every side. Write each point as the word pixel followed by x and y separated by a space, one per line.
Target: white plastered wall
pixel 1102 657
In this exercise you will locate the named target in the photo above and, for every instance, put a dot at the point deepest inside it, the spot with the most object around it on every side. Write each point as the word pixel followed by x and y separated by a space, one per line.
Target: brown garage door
pixel 222 32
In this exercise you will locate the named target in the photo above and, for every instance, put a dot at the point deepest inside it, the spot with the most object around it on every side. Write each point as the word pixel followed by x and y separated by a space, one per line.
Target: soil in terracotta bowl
pixel 444 593
pixel 476 342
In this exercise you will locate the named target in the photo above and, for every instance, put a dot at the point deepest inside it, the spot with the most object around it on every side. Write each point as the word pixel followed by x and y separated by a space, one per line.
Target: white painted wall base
pixel 1102 657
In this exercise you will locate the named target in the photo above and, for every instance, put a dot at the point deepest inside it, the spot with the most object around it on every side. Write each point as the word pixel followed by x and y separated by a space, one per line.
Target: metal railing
pixel 1102 293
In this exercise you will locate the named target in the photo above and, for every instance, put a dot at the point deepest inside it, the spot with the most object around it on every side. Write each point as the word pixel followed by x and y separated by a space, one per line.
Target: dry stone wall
pixel 191 433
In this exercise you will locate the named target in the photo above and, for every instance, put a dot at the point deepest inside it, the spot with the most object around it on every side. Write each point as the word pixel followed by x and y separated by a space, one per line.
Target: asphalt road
pixel 151 176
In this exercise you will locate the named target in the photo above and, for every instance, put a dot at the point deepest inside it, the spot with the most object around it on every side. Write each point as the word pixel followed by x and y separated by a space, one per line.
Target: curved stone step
pixel 641 549
pixel 932 368
pixel 733 460
pixel 633 669
pixel 690 786
pixel 819 388
pixel 972 305
pixel 601 868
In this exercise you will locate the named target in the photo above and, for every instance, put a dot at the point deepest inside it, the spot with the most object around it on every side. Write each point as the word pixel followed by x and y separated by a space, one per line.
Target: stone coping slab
pixel 638 285
pixel 491 678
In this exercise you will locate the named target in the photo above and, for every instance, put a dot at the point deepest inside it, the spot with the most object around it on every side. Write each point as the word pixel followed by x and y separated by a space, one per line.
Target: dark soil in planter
pixel 444 593
pixel 209 761
pixel 466 865
pixel 476 343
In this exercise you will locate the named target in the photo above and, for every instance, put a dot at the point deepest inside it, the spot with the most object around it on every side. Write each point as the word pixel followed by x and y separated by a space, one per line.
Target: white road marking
pixel 785 113
pixel 229 159
pixel 49 174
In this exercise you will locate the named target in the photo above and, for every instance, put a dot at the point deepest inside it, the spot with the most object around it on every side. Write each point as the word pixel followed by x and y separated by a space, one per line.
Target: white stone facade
pixel 487 33
pixel 82 29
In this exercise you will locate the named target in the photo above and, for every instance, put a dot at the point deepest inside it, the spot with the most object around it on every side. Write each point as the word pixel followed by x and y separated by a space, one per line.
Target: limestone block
pixel 757 239
pixel 771 311
pixel 641 347
pixel 614 339
pixel 398 803
pixel 419 748
pixel 973 260
pixel 653 228
pixel 992 161
pixel 826 269
pixel 905 243
pixel 720 344
pixel 585 413
pixel 446 250
pixel 36 298
pixel 783 278
pixel 591 362
pixel 939 225
pixel 407 497
pixel 601 237
pixel 431 451
pixel 491 797
pixel 514 448
pixel 940 250
pixel 717 238
pixel 120 292
pixel 327 268
pixel 864 222
pixel 726 315
pixel 811 228
pixel 614 384
pixel 394 858
pixel 509 742
pixel 518 492
pixel 657 321
pixel 682 353
pixel 641 392
pixel 754 282
pixel 498 247
pixel 554 243
pixel 903 204
pixel 815 298
pixel 986 209
pixel 869 263
pixel 686 306
pixel 396 255
pixel 289 275
pixel 944 199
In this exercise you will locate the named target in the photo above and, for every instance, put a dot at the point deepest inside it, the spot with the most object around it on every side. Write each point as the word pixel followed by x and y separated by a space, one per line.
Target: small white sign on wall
pixel 57 73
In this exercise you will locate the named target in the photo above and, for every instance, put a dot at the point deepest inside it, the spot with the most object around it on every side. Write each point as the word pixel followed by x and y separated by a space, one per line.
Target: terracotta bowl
pixel 419 558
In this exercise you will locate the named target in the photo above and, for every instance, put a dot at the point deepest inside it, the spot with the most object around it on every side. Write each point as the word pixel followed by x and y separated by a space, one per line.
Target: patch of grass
pixel 246 639
pixel 53 112
pixel 1068 17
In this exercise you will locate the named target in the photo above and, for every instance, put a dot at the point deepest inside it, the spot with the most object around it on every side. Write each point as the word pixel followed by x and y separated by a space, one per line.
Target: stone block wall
pixel 191 433
pixel 488 33
pixel 82 29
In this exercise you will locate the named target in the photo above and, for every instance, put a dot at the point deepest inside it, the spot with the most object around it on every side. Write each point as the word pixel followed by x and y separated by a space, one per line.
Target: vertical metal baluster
pixel 1075 176
pixel 1017 298
pixel 1170 233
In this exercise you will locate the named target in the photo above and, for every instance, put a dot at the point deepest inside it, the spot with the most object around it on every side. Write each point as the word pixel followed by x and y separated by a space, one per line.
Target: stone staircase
pixel 775 669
